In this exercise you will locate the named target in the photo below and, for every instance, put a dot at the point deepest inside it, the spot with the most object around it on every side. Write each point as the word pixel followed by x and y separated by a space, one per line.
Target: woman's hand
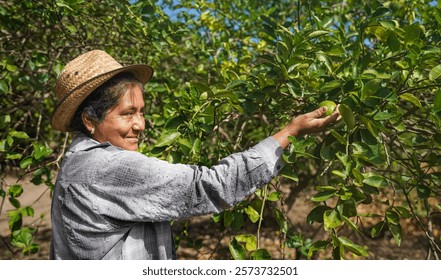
pixel 306 124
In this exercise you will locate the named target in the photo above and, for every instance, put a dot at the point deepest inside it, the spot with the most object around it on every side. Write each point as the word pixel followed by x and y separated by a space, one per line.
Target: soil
pixel 200 238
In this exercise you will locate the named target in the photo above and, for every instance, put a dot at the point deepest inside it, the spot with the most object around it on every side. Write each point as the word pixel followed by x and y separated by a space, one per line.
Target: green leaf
pixel 326 152
pixel 24 163
pixel 377 228
pixel 393 42
pixel 4 87
pixel 23 238
pixel 13 156
pixel 412 33
pixel 167 138
pixel 9 140
pixel 339 174
pixel 252 214
pixel 4 121
pixel 316 214
pixel 380 12
pixel 236 84
pixel 11 67
pixel 260 254
pixel 437 101
pixel 317 246
pixel 229 95
pixel 256 204
pixel 354 248
pixel 33 248
pixel 317 33
pixel 15 190
pixel 373 73
pixel 27 211
pixel 338 251
pixel 357 175
pixel 72 28
pixel 237 250
pixel 228 218
pixel 392 217
pixel 259 192
pixel 331 219
pixel 173 157
pixel 389 24
pixel 348 208
pixel 423 191
pixel 435 72
pixel 370 88
pixel 324 195
pixel 331 85
pixel 323 58
pixel 249 239
pixel 376 181
pixel 370 125
pixel 403 212
pixel 281 220
pixel 217 217
pixel 381 116
pixel 15 202
pixel 274 196
pixel 337 136
pixel 196 148
pixel 14 220
pixel 4 147
pixel 295 240
pixel 19 134
pixel 63 5
pixel 185 145
pixel 412 99
pixel 288 173
pixel 397 232
pixel 326 188
pixel 284 72
pixel 347 115
pixel 350 223
pixel 238 221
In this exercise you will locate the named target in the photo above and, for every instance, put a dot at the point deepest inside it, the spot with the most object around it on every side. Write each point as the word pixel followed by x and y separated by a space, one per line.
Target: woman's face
pixel 123 124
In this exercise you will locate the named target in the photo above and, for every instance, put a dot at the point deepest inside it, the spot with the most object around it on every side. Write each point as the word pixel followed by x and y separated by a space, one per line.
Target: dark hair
pixel 102 100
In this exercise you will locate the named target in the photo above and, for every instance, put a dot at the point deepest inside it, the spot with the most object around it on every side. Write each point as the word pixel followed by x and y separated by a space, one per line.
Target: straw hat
pixel 82 76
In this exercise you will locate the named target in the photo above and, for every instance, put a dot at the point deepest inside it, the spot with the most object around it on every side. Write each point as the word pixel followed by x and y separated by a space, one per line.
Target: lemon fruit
pixel 330 105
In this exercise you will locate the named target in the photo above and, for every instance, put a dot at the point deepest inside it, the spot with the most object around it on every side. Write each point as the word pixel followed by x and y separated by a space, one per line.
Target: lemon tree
pixel 228 74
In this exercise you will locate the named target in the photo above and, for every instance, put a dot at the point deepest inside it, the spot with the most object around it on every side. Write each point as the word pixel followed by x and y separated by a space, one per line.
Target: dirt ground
pixel 213 244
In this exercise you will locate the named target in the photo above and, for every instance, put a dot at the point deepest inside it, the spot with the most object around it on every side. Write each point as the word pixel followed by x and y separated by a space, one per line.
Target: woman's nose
pixel 139 122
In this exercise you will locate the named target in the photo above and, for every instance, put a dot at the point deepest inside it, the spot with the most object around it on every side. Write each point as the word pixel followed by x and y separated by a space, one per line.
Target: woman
pixel 111 202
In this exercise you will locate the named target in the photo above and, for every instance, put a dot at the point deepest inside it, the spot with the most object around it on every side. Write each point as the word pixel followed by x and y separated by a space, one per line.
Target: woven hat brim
pixel 66 108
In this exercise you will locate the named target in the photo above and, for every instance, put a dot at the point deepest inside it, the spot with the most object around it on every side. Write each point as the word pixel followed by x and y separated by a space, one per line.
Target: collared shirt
pixel 111 203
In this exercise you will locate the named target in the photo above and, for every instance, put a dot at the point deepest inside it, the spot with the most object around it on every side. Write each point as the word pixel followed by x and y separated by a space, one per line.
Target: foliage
pixel 230 73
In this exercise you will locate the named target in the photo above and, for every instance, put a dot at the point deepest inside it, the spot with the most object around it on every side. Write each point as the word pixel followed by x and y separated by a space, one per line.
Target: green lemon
pixel 330 105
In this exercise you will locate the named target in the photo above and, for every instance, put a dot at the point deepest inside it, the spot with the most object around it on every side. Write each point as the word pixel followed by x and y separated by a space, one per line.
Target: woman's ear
pixel 88 123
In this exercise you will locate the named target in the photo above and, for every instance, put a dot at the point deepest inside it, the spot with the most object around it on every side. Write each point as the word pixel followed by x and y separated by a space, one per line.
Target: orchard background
pixel 228 74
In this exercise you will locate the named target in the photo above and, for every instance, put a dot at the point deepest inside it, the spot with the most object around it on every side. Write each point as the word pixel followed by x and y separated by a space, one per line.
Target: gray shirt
pixel 110 203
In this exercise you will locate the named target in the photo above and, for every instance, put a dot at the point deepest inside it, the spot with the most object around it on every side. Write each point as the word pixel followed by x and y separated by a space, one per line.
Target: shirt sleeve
pixel 271 152
pixel 130 186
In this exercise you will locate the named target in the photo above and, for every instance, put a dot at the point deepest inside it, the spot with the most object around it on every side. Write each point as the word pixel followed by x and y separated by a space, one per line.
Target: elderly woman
pixel 112 202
